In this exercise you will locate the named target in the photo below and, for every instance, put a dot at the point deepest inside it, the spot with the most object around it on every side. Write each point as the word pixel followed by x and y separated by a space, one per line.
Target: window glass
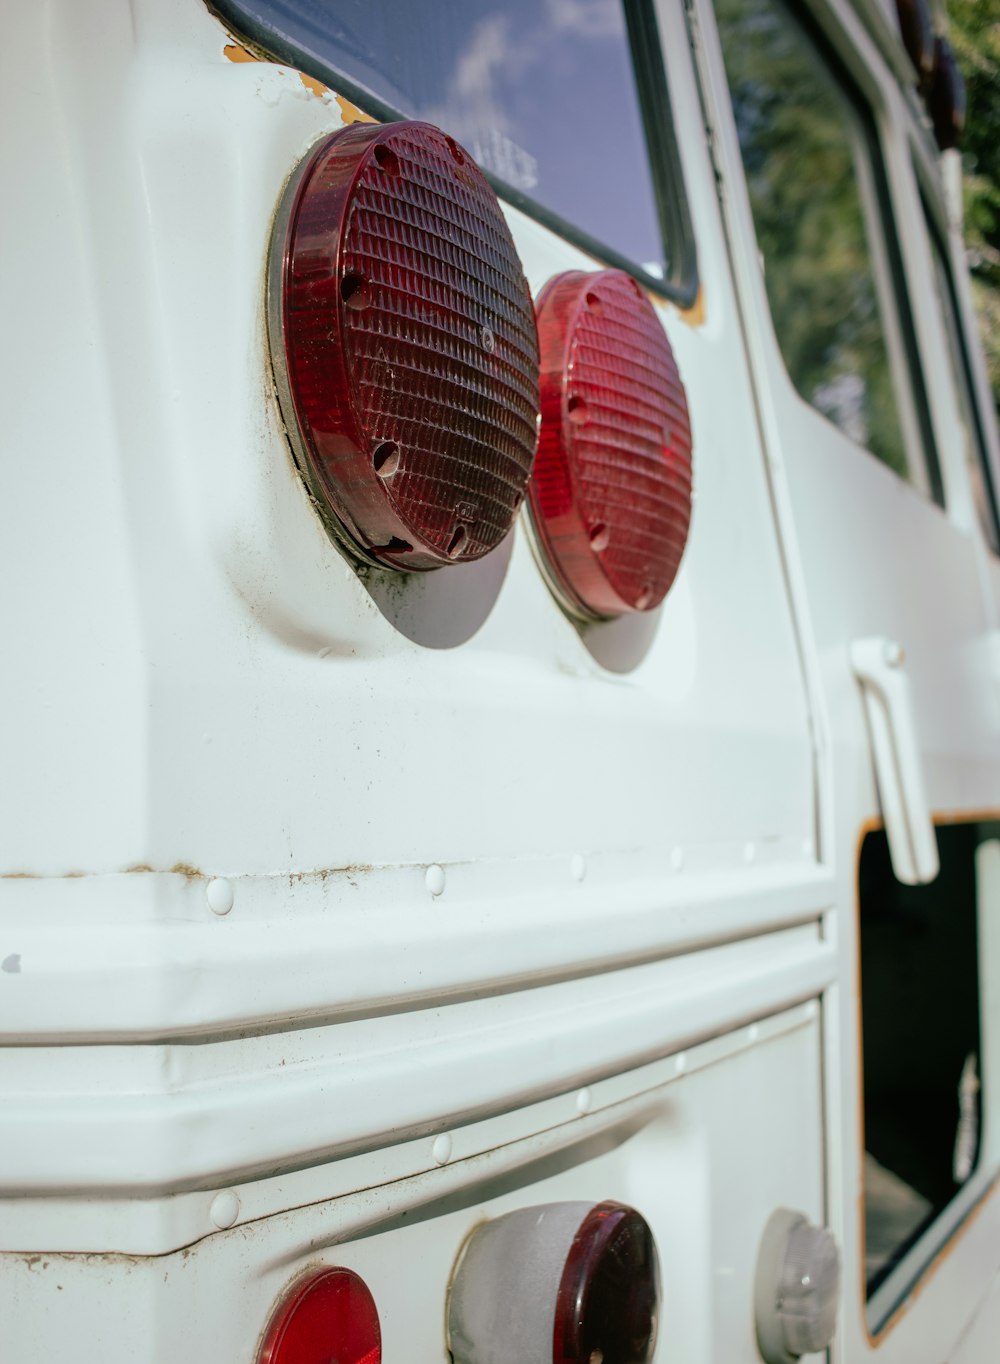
pixel 921 1052
pixel 975 451
pixel 808 153
pixel 542 92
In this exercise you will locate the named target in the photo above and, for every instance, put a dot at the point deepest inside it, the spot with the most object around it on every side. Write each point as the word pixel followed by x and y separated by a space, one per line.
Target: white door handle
pixel 878 665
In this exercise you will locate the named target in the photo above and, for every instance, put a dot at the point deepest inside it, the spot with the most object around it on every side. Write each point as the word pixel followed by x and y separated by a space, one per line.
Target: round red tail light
pixel 404 346
pixel 328 1316
pixel 610 496
pixel 606 1308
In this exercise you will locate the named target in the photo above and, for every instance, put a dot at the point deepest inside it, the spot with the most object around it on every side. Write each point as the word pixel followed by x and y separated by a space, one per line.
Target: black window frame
pixel 938 243
pixel 245 19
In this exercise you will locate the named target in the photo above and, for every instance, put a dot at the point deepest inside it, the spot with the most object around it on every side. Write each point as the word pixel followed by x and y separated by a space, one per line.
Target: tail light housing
pixel 327 1316
pixel 610 496
pixel 574 1283
pixel 404 346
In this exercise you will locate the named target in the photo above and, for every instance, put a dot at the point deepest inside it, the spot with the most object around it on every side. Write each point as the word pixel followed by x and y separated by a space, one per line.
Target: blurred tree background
pixel 975 36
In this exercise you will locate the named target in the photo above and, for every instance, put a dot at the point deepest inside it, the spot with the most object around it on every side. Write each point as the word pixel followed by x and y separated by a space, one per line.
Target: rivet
pixel 583 1100
pixel 219 894
pixel 442 1148
pixel 225 1209
pixel 577 867
pixel 434 880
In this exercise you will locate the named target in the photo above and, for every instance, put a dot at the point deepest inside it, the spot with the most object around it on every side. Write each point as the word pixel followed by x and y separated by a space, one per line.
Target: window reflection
pixel 542 92
pixel 806 153
pixel 975 450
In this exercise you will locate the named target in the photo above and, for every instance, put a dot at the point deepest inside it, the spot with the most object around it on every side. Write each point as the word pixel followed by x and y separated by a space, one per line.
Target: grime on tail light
pixel 404 346
pixel 328 1316
pixel 610 496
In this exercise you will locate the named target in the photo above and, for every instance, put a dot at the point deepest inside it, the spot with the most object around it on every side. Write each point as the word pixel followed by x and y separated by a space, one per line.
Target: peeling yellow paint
pixel 351 113
pixel 317 87
pixel 235 53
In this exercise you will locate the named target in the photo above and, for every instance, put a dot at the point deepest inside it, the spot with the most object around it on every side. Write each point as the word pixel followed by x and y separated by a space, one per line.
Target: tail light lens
pixel 404 346
pixel 328 1316
pixel 610 496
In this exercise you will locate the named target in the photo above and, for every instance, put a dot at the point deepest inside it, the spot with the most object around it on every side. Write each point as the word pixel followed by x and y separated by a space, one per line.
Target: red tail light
pixel 608 1294
pixel 329 1316
pixel 610 496
pixel 404 346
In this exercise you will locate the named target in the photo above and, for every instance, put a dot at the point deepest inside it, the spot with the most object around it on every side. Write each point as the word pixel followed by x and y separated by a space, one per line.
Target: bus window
pixel 545 97
pixel 983 490
pixel 921 1046
pixel 814 174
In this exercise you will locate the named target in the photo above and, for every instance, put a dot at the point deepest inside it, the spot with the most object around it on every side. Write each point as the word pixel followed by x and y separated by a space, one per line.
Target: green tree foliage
pixel 975 36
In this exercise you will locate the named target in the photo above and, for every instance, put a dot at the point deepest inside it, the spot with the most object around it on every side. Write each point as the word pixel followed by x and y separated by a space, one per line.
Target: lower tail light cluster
pixel 565 1283
pixel 415 380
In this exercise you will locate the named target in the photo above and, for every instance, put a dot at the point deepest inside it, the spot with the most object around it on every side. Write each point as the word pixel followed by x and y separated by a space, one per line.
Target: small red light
pixel 609 1292
pixel 610 495
pixel 328 1316
pixel 404 346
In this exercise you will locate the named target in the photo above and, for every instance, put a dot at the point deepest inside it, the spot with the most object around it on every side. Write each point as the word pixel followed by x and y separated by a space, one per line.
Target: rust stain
pixel 350 112
pixel 695 315
pixel 186 869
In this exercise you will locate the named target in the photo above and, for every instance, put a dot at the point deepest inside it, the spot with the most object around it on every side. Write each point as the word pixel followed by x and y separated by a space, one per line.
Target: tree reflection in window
pixel 807 153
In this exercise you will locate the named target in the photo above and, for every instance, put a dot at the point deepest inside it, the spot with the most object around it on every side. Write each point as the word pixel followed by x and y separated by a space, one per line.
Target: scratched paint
pixel 236 52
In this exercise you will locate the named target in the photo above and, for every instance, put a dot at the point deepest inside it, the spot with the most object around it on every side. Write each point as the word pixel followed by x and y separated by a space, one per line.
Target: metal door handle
pixel 878 665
